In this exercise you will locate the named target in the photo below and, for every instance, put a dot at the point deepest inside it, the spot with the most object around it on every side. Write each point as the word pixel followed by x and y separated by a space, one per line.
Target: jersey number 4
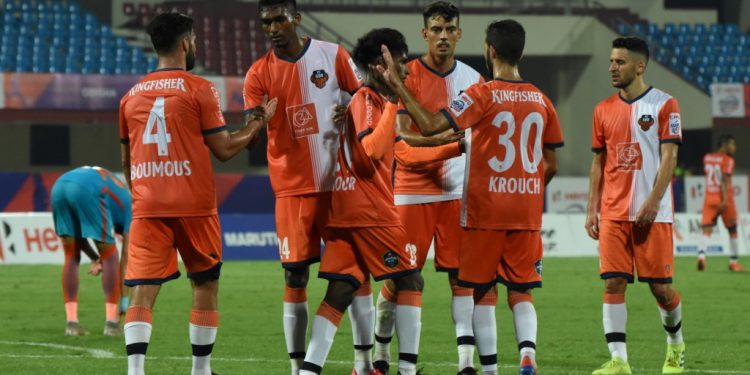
pixel 156 119
pixel 529 165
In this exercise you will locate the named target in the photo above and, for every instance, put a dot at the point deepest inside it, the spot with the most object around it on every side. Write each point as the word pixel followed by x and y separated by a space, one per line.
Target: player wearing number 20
pixel 511 157
pixel 168 123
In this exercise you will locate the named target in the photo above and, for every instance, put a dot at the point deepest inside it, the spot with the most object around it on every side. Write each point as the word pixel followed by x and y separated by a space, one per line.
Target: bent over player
pixel 91 203
pixel 635 136
pixel 169 121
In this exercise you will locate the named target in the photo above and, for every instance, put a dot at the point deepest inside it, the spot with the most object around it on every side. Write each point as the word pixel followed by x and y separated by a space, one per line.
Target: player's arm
pixel 415 156
pixel 428 123
pixel 415 139
pixel 550 164
pixel 376 142
pixel 595 194
pixel 725 186
pixel 125 158
pixel 225 145
pixel 650 208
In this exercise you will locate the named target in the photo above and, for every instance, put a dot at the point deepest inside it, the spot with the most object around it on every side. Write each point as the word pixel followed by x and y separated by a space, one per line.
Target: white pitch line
pixel 96 353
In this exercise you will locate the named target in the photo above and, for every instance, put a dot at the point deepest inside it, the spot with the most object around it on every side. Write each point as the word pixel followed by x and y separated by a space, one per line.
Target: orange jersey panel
pixel 164 118
pixel 510 122
pixel 715 166
pixel 441 180
pixel 302 139
pixel 363 191
pixel 631 134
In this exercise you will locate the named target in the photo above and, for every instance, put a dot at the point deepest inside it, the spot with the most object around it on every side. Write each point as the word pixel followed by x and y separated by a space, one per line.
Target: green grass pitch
pixel 715 308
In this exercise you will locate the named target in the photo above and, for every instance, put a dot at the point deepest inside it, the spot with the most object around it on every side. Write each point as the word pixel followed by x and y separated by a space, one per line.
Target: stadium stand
pixel 701 54
pixel 60 37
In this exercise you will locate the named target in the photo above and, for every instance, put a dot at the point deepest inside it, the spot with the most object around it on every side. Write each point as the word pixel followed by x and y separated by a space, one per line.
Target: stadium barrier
pixel 30 238
pixel 730 100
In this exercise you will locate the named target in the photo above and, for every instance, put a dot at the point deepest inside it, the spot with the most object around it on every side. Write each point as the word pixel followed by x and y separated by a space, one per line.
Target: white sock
pixel 462 309
pixel 734 249
pixel 702 246
pixel 137 336
pixel 202 340
pixel 672 321
pixel 385 323
pixel 408 329
pixel 615 319
pixel 325 325
pixel 485 333
pixel 362 316
pixel 524 317
pixel 295 329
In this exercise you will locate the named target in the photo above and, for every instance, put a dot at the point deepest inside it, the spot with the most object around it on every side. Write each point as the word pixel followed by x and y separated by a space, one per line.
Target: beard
pixel 623 83
pixel 190 60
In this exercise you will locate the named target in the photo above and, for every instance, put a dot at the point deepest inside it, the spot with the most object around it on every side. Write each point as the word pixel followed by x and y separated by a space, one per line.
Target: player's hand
pixel 592 225
pixel 269 107
pixel 447 136
pixel 339 115
pixel 647 213
pixel 388 69
pixel 722 207
pixel 96 267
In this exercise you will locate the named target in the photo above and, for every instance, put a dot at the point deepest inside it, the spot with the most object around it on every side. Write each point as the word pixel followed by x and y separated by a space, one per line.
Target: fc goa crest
pixel 645 122
pixel 319 78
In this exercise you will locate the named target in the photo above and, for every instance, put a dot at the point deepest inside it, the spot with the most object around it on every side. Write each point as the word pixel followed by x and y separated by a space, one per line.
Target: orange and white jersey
pixel 715 166
pixel 363 189
pixel 302 139
pixel 164 118
pixel 631 133
pixel 441 180
pixel 510 121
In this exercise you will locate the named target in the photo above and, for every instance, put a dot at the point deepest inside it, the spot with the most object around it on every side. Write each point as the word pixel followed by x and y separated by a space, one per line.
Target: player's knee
pixel 340 294
pixel 412 281
pixel 662 292
pixel 615 285
pixel 732 231
pixel 297 277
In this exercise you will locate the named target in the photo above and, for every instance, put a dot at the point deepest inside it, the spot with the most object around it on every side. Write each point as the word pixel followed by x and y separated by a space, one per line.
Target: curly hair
pixel 367 50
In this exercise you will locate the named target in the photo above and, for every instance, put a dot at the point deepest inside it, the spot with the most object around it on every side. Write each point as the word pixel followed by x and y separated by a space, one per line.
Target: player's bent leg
pixel 670 309
pixel 70 286
pixel 385 323
pixel 462 309
pixel 485 326
pixel 204 322
pixel 110 286
pixel 295 313
pixel 339 296
pixel 137 328
pixel 362 316
pixel 703 245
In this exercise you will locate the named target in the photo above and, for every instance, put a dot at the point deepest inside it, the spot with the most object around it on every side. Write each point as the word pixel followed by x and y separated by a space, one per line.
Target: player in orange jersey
pixel 309 78
pixel 169 122
pixel 367 237
pixel 428 197
pixel 719 200
pixel 511 157
pixel 636 133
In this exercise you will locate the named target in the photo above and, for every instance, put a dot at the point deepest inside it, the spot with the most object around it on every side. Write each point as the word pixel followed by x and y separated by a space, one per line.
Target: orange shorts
pixel 353 254
pixel 510 257
pixel 711 214
pixel 439 220
pixel 154 243
pixel 623 245
pixel 300 225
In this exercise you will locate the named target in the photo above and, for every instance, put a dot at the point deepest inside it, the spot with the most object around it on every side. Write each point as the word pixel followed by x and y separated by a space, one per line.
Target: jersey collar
pixel 636 98
pixel 435 72
pixel 308 41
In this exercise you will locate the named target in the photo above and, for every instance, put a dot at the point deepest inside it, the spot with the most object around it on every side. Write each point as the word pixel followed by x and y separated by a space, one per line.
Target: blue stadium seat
pixel 700 29
pixel 717 28
pixel 670 28
pixel 652 30
pixel 684 28
pixel 623 29
pixel 639 29
pixel 731 29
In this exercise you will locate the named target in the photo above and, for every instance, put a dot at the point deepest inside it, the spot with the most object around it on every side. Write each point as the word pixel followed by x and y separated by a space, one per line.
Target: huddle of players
pixel 335 183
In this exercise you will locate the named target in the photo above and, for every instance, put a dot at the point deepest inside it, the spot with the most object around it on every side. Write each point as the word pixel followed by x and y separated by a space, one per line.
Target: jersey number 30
pixel 156 119
pixel 529 165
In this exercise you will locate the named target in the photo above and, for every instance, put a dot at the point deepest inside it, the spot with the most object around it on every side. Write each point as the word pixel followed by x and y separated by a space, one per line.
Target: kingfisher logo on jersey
pixel 459 105
pixel 646 121
pixel 390 259
pixel 319 78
